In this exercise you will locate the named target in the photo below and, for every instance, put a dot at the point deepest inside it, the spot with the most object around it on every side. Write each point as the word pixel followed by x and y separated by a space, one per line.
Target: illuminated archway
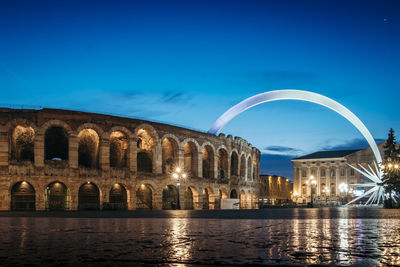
pixel 375 176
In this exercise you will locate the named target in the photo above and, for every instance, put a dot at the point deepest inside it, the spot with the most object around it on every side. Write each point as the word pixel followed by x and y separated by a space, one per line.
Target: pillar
pixel 73 146
pixel 3 147
pixel 39 150
pixel 104 154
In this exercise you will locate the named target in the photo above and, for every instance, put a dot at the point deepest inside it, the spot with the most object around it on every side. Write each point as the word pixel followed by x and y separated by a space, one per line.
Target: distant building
pixel 275 190
pixel 325 178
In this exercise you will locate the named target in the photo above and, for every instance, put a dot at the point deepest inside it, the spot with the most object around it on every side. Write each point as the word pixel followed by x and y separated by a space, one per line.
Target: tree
pixel 391 169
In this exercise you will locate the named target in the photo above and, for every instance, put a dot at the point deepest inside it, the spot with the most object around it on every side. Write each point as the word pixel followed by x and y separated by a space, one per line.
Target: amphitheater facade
pixel 68 160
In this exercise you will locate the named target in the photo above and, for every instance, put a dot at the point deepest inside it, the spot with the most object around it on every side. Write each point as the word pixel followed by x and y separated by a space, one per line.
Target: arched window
pixel 208 161
pixel 22 144
pixel 191 158
pixel 56 143
pixel 118 149
pixel 242 167
pixel 222 164
pixel 88 148
pixel 169 155
pixel 234 164
pixel 146 150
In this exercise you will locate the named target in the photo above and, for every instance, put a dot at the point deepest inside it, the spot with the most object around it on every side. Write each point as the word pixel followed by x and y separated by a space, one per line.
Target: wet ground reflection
pixel 176 241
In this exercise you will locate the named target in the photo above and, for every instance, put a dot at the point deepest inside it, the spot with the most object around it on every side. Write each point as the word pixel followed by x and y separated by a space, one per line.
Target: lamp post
pixel 326 191
pixel 178 175
pixel 311 182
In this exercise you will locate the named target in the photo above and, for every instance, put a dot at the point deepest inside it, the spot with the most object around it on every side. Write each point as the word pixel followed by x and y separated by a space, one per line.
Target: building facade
pixel 325 178
pixel 69 160
pixel 275 190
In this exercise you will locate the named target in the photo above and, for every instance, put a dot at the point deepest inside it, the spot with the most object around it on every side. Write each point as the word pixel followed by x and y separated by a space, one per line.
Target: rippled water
pixel 174 241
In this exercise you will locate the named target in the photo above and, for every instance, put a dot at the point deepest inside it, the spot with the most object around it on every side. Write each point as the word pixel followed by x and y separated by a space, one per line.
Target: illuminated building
pixel 324 177
pixel 69 160
pixel 275 190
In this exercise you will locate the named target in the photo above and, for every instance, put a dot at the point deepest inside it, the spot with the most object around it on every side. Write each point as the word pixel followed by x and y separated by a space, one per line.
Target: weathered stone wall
pixel 40 172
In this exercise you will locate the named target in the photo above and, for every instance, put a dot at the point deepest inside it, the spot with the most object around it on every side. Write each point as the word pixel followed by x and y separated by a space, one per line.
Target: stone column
pixel 229 167
pixel 157 159
pixel 215 167
pixel 3 147
pixel 74 191
pixel 39 150
pixel 318 181
pixel 337 180
pixel 39 198
pixel 200 164
pixel 73 147
pixel 104 154
pixel 132 155
pixel 309 185
pixel 181 158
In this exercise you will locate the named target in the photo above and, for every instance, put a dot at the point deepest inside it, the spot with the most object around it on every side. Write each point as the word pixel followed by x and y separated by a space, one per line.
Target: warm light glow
pixel 175 175
pixel 24 182
pixel 390 165
pixel 312 177
pixel 178 170
pixel 382 167
pixel 184 175
pixel 396 166
pixel 88 182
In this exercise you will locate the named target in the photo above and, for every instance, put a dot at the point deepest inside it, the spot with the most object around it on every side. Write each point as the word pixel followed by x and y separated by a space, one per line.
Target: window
pixel 332 172
pixel 342 172
pixel 303 173
pixel 323 173
pixel 352 172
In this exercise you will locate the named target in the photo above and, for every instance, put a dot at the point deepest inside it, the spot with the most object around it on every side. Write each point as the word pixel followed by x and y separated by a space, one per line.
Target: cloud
pixel 282 150
pixel 356 143
pixel 172 97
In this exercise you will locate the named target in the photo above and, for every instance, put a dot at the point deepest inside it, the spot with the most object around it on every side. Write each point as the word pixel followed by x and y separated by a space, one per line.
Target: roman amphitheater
pixel 69 160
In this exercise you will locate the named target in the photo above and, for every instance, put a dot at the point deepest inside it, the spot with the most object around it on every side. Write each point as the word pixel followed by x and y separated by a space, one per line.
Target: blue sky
pixel 186 62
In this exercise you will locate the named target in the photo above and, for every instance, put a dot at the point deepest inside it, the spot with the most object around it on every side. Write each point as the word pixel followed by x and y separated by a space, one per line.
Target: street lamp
pixel 178 175
pixel 311 182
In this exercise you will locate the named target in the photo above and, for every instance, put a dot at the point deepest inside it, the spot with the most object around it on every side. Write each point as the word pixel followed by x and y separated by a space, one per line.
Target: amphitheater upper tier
pixel 68 160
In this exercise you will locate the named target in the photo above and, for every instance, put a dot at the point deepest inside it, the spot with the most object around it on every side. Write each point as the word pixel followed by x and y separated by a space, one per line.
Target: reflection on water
pixel 175 241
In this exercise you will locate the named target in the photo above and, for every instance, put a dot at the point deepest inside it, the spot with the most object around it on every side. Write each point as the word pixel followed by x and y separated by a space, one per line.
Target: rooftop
pixel 328 154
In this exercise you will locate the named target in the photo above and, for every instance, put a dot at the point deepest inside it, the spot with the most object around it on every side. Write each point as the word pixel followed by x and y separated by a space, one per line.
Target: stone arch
pixel 118 197
pixel 208 160
pixel 22 139
pixel 242 166
pixel 191 199
pixel 23 196
pixel 145 196
pixel 222 194
pixel 208 198
pixel 52 123
pixel 170 197
pixel 255 169
pixel 242 198
pixel 56 143
pixel 222 163
pixel 233 194
pixel 119 147
pixel 147 139
pixel 89 196
pixel 191 156
pixel 57 196
pixel 88 148
pixel 170 153
pixel 234 163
